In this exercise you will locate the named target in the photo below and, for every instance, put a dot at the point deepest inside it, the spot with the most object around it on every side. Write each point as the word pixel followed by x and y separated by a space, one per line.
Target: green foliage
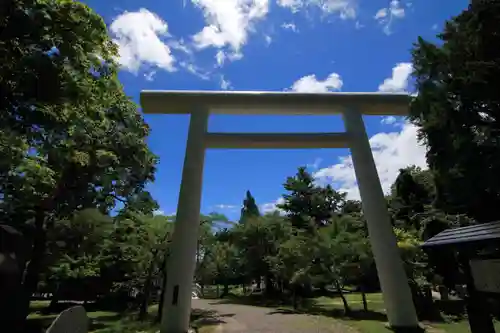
pixel 70 138
pixel 140 202
pixel 308 205
pixel 411 195
pixel 258 240
pixel 80 141
pixel 249 209
pixel 413 256
pixel 457 111
pixel 76 245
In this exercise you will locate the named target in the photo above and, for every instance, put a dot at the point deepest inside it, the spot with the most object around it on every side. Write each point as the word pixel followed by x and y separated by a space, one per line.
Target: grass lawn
pixel 374 321
pixel 114 322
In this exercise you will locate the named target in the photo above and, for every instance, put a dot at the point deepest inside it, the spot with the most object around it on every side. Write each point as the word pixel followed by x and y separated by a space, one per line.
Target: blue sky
pixel 272 45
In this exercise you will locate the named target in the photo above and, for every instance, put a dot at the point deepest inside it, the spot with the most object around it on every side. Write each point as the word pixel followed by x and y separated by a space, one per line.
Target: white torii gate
pixel 177 302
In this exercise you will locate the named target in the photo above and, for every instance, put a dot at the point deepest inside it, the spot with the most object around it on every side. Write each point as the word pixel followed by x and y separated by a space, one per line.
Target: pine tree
pixel 249 209
pixel 308 204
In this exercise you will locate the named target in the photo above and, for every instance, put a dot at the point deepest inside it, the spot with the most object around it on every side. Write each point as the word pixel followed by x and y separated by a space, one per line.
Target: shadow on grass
pixel 307 306
pixel 334 313
pixel 38 325
pixel 203 317
pixel 102 322
pixel 252 300
pixel 41 323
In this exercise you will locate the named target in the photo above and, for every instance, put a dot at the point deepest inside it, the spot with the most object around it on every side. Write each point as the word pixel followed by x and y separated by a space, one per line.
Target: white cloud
pixel 290 26
pixel 195 70
pixel 226 207
pixel 228 22
pixel 138 36
pixel 149 76
pixel 386 16
pixel 271 206
pixel 346 9
pixel 311 84
pixel 158 212
pixel 293 5
pixel 221 57
pixel 391 152
pixel 381 13
pixel 398 82
pixel 180 45
pixel 268 39
pixel 224 83
pixel 315 165
pixel 389 120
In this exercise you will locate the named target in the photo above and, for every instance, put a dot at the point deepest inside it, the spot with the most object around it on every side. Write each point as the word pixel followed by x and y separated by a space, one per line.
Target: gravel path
pixel 235 318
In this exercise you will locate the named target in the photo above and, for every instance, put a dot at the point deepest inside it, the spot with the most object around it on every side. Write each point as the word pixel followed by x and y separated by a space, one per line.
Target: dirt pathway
pixel 235 318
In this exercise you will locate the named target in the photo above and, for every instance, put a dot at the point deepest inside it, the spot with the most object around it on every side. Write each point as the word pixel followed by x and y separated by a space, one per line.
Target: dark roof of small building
pixel 472 233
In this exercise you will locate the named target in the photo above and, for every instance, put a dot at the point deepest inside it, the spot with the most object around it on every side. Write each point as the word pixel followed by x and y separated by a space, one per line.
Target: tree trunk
pixel 160 305
pixel 347 309
pixel 225 291
pixel 55 298
pixel 295 297
pixel 143 310
pixel 218 291
pixel 33 268
pixel 269 285
pixel 164 286
pixel 363 295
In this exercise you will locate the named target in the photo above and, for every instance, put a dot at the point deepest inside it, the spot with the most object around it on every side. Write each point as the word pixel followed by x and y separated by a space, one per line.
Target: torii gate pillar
pixel 396 292
pixel 181 263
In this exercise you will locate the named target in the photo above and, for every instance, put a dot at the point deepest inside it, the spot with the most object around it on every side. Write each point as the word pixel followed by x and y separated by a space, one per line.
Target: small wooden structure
pixel 478 252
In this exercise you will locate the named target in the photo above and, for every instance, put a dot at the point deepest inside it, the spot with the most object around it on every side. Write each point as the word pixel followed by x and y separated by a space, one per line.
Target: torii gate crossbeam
pixel 177 302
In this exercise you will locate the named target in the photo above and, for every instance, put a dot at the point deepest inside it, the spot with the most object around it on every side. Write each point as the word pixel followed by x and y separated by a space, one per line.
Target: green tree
pixel 205 266
pixel 257 240
pixel 75 255
pixel 292 262
pixel 342 254
pixel 157 235
pixel 411 195
pixel 224 258
pixel 351 207
pixel 72 138
pixel 141 202
pixel 457 110
pixel 249 209
pixel 308 205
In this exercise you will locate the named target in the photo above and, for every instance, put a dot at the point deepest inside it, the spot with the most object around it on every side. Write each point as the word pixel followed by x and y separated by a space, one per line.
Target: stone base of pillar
pixel 406 329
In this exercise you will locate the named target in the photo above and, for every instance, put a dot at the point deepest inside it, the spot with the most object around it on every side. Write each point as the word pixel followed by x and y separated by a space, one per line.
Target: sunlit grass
pixel 106 321
pixel 376 304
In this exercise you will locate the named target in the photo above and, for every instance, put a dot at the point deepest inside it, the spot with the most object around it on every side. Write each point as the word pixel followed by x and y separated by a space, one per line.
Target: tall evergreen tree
pixel 457 110
pixel 308 202
pixel 249 209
